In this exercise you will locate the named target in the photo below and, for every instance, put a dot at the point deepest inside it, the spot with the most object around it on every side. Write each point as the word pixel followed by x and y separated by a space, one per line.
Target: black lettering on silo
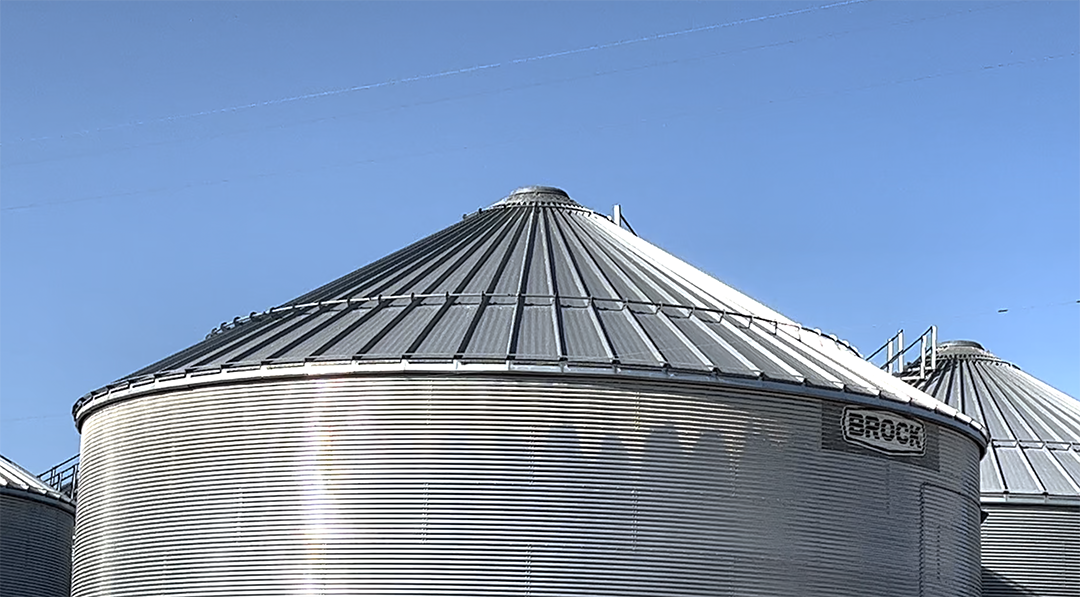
pixel 872 426
pixel 916 437
pixel 855 424
pixel 888 430
pixel 902 433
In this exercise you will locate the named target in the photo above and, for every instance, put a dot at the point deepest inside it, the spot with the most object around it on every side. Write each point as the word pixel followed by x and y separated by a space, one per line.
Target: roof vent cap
pixel 962 344
pixel 538 196
pixel 540 190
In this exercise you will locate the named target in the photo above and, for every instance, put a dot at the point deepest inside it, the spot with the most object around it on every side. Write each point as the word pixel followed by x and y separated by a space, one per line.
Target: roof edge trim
pixel 252 374
pixel 63 503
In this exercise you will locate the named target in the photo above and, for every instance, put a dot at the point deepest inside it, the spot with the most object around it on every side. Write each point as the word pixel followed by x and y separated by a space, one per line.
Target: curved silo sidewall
pixel 1031 550
pixel 35 546
pixel 457 484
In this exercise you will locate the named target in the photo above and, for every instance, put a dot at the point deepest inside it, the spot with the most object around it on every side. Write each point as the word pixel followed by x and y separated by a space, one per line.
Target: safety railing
pixel 894 351
pixel 64 477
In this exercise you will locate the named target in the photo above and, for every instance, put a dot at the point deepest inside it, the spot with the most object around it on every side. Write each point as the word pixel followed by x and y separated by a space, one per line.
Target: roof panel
pixel 989 475
pixel 373 320
pixel 676 349
pixel 1016 471
pixel 1050 473
pixel 445 337
pixel 403 332
pixel 626 337
pixel 722 355
pixel 343 318
pixel 769 365
pixel 307 326
pixel 1070 462
pixel 584 338
pixel 492 336
pixel 793 358
pixel 539 276
pixel 536 337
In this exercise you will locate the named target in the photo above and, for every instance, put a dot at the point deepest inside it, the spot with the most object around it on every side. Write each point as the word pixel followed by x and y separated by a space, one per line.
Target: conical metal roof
pixel 17 481
pixel 537 282
pixel 1034 429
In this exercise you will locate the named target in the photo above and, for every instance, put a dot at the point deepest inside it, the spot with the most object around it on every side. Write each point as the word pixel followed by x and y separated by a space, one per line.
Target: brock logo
pixel 884 431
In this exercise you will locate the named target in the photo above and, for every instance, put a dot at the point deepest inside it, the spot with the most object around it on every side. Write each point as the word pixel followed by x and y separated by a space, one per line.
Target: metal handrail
pixel 63 477
pixel 381 299
pixel 895 350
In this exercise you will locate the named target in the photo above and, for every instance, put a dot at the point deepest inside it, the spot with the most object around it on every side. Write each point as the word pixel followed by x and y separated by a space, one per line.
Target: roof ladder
pixel 64 477
pixel 895 350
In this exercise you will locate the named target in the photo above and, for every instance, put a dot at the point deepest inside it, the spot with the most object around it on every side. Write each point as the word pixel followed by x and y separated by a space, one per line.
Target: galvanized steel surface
pixel 1034 453
pixel 465 485
pixel 536 279
pixel 36 526
pixel 15 480
pixel 1031 551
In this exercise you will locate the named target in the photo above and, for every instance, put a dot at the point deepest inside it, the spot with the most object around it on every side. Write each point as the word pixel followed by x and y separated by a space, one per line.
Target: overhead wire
pixel 969 314
pixel 531 85
pixel 575 131
pixel 453 72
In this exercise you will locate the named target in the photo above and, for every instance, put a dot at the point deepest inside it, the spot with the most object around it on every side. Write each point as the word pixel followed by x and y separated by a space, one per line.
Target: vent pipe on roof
pixel 617 217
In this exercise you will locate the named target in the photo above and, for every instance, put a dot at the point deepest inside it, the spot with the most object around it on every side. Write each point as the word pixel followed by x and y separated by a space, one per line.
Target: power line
pixel 1030 307
pixel 452 72
pixel 968 314
pixel 576 130
pixel 36 417
pixel 532 85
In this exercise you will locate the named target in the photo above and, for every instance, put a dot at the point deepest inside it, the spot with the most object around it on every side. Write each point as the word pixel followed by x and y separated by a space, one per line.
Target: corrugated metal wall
pixel 463 485
pixel 35 548
pixel 1031 551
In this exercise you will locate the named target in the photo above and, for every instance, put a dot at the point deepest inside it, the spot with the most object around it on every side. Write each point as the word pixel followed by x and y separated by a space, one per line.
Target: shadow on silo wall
pixel 996 585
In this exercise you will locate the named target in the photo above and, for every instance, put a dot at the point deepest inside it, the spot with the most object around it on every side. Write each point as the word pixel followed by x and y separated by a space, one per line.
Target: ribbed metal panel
pixel 17 480
pixel 36 526
pixel 1030 475
pixel 1034 453
pixel 540 280
pixel 1031 551
pixel 466 485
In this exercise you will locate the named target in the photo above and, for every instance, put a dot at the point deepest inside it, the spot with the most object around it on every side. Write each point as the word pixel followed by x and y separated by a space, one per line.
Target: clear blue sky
pixel 860 168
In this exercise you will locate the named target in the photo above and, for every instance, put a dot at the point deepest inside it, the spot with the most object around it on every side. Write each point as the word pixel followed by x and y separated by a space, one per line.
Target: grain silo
pixel 1030 487
pixel 531 401
pixel 36 525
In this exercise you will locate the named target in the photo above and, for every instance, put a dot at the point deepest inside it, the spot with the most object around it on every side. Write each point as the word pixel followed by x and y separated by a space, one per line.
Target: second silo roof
pixel 1034 429
pixel 19 482
pixel 537 281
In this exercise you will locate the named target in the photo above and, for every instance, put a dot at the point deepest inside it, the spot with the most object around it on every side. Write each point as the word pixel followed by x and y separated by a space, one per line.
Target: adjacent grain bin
pixel 531 401
pixel 36 525
pixel 1030 486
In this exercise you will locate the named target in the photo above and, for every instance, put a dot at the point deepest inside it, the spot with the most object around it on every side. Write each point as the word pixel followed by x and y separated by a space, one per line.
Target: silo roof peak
pixel 954 344
pixel 538 196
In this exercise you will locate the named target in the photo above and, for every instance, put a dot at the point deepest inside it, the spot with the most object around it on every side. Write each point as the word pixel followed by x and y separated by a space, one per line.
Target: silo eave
pixel 18 482
pixel 1034 500
pixel 555 370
